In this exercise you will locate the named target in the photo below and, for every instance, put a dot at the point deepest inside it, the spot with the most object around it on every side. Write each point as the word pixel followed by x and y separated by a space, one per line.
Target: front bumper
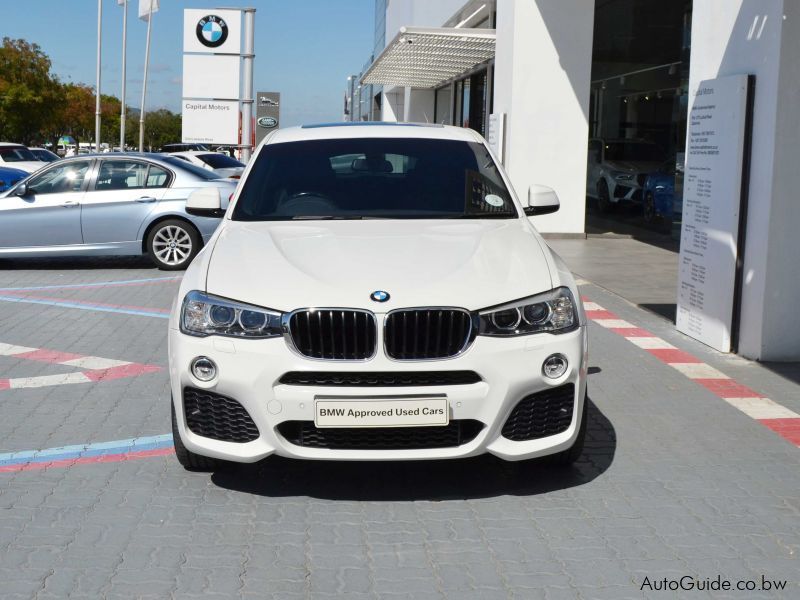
pixel 249 370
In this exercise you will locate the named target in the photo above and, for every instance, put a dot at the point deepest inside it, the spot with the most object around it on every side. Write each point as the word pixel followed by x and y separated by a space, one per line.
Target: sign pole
pixel 247 94
pixel 144 83
pixel 97 91
pixel 124 61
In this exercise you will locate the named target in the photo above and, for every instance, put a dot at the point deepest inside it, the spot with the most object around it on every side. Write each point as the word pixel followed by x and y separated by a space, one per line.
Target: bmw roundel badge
pixel 212 31
pixel 379 296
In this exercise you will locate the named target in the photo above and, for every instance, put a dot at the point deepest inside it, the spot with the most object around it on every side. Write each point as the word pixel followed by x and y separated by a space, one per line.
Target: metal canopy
pixel 427 57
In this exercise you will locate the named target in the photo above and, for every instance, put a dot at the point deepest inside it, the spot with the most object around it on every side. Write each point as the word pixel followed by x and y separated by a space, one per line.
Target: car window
pixel 390 178
pixel 67 177
pixel 157 177
pixel 194 169
pixel 633 151
pixel 16 154
pixel 121 175
pixel 215 160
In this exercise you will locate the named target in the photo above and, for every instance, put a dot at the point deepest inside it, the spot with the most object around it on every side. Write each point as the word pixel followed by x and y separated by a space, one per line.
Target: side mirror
pixel 205 202
pixel 21 190
pixel 542 200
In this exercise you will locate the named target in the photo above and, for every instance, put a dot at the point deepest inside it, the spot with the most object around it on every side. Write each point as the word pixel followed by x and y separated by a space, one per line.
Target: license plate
pixel 408 412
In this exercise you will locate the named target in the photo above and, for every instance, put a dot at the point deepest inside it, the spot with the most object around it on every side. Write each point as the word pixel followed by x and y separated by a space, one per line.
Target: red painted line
pixel 48 356
pixel 788 429
pixel 131 370
pixel 106 458
pixel 601 314
pixel 631 332
pixel 673 355
pixel 88 303
pixel 728 388
pixel 5 384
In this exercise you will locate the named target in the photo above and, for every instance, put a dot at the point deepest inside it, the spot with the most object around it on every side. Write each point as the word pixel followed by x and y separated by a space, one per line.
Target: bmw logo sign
pixel 212 31
pixel 379 296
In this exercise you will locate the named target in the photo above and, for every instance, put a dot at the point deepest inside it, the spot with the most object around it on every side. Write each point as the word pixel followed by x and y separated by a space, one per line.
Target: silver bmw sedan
pixel 109 204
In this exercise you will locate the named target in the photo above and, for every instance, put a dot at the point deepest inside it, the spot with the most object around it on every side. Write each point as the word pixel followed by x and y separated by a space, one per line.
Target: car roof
pixel 11 144
pixel 329 131
pixel 192 152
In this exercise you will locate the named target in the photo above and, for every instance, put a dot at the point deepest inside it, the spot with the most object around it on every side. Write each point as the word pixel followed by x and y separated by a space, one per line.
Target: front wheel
pixel 604 203
pixel 172 244
pixel 649 208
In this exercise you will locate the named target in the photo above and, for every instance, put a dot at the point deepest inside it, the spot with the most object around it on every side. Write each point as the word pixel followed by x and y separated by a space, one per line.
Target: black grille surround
pixel 541 414
pixel 333 333
pixel 427 333
pixel 307 435
pixel 379 378
pixel 217 417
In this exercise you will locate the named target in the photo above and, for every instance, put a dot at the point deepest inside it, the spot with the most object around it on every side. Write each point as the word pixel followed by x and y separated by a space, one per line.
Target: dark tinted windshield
pixel 391 178
pixel 187 166
pixel 635 151
pixel 215 160
pixel 44 155
pixel 16 154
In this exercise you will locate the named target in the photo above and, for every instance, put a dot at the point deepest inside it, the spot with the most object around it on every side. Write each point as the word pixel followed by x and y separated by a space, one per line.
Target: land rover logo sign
pixel 267 122
pixel 212 31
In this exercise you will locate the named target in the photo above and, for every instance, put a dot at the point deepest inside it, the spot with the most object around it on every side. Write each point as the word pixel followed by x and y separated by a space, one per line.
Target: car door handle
pixel 69 203
pixel 145 199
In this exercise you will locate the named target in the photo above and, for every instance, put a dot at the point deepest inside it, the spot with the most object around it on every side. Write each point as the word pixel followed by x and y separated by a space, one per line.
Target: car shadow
pixel 87 263
pixel 479 477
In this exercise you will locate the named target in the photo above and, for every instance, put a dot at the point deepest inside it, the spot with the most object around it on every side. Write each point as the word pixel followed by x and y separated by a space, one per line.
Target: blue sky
pixel 305 49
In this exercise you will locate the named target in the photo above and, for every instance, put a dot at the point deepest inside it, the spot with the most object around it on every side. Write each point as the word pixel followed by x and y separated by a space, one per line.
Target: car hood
pixel 633 166
pixel 288 265
pixel 29 166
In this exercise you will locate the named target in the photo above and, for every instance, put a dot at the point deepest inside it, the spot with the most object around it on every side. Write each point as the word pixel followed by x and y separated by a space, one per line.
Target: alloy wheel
pixel 172 245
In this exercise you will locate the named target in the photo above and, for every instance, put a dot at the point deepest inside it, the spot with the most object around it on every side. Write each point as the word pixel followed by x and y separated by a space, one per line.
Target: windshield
pixel 634 151
pixel 389 178
pixel 215 160
pixel 16 154
pixel 187 166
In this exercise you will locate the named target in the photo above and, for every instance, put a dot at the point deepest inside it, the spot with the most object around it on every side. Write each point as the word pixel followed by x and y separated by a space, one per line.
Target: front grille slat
pixel 333 334
pixel 304 433
pixel 218 417
pixel 427 333
pixel 541 414
pixel 379 378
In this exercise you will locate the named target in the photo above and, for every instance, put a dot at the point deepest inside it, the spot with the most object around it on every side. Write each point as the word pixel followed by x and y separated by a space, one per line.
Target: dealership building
pixel 550 83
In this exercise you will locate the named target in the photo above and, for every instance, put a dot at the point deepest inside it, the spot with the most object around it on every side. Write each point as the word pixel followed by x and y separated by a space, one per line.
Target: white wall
pixel 418 13
pixel 762 37
pixel 542 76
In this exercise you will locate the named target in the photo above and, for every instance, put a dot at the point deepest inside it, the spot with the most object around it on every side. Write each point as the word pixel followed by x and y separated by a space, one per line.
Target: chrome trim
pixel 473 332
pixel 287 333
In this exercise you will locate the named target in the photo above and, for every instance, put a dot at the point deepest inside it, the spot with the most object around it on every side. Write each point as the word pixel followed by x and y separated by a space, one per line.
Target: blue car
pixel 9 177
pixel 662 196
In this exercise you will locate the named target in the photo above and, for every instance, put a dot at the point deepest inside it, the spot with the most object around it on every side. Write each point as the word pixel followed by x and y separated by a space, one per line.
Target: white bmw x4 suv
pixel 376 292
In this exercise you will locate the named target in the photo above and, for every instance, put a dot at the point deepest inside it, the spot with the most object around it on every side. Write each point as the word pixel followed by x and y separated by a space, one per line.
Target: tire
pixel 565 458
pixel 649 208
pixel 604 204
pixel 188 459
pixel 172 244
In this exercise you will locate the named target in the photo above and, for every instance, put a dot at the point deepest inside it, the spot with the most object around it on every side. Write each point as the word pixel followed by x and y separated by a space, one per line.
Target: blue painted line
pixel 68 304
pixel 88 285
pixel 140 444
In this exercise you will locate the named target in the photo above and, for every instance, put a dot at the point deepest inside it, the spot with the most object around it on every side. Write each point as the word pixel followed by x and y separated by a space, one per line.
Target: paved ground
pixel 676 481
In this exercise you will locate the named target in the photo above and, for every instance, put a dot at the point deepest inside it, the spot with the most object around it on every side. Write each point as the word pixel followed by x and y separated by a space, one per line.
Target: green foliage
pixel 36 107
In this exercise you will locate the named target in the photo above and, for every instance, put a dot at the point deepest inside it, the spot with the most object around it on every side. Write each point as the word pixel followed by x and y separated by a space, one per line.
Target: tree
pixel 160 127
pixel 29 93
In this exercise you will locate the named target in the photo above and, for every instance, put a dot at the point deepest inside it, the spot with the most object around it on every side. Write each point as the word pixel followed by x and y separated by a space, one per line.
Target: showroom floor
pixel 692 468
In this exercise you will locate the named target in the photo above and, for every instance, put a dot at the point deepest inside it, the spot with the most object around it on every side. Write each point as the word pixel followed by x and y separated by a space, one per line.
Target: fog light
pixel 554 366
pixel 204 368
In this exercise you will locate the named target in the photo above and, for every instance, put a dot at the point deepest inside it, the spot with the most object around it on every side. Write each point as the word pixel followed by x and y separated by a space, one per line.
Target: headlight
pixel 204 315
pixel 620 176
pixel 554 311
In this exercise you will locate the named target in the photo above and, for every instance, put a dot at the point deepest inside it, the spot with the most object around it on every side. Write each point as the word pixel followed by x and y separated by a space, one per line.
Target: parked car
pixel 221 164
pixel 44 155
pixel 121 204
pixel 169 148
pixel 663 193
pixel 617 170
pixel 18 156
pixel 9 177
pixel 377 293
